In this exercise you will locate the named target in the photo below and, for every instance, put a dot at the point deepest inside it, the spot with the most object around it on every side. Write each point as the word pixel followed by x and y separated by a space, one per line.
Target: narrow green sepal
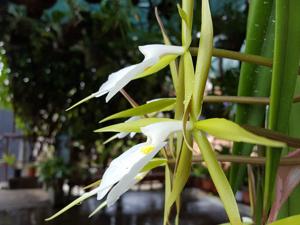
pixel 228 130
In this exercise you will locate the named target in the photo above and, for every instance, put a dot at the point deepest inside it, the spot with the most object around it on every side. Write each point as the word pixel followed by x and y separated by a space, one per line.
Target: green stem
pixel 248 160
pixel 222 53
pixel 249 58
pixel 242 99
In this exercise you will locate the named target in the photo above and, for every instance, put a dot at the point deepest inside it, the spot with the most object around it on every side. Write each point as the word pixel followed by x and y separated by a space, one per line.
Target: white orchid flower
pixel 124 169
pixel 153 53
pixel 156 55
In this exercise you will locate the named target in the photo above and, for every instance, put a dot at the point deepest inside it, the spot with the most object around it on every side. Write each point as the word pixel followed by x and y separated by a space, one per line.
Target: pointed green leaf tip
pixel 183 16
pixel 101 206
pixel 228 130
pixel 75 202
pixel 155 106
pixel 133 126
pixel 80 102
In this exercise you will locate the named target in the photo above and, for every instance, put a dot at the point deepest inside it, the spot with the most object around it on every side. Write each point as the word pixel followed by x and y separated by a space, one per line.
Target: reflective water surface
pixel 134 208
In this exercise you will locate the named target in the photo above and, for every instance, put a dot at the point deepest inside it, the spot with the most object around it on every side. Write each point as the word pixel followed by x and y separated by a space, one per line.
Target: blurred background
pixel 56 52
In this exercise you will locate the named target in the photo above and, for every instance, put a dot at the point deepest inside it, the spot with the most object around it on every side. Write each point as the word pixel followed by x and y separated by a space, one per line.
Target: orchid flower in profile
pixel 157 56
pixel 124 169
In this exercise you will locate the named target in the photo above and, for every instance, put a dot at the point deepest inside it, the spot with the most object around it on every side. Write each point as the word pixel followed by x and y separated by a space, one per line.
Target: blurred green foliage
pixel 60 51
pixel 52 170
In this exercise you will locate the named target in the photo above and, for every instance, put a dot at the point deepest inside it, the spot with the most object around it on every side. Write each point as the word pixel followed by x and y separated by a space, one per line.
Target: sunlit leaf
pixel 92 185
pixel 72 204
pixel 133 126
pixel 155 106
pixel 203 58
pixel 188 78
pixel 228 130
pixel 292 220
pixel 154 163
pixel 101 206
pixel 80 102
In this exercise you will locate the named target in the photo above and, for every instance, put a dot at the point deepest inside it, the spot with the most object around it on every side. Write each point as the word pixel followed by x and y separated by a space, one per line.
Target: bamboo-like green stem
pixel 242 99
pixel 236 99
pixel 222 53
pixel 250 160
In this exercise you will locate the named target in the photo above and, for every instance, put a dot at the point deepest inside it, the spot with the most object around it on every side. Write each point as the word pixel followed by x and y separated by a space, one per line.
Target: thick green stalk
pixel 286 61
pixel 254 80
pixel 219 178
pixel 292 206
pixel 183 154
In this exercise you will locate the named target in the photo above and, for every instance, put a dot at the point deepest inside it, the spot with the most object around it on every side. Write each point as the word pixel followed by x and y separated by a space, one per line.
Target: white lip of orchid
pixel 117 80
pixel 159 132
pixel 123 170
pixel 131 178
pixel 116 170
pixel 139 154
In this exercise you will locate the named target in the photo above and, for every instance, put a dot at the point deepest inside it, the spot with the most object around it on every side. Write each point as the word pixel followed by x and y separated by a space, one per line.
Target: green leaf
pixel 183 16
pixel 254 80
pixel 9 159
pixel 219 178
pixel 188 78
pixel 162 63
pixel 77 201
pixel 80 102
pixel 94 184
pixel 155 106
pixel 186 22
pixel 285 70
pixel 168 186
pixel 180 178
pixel 203 58
pixel 292 220
pixel 226 129
pixel 101 206
pixel 292 206
pixel 156 162
pixel 132 126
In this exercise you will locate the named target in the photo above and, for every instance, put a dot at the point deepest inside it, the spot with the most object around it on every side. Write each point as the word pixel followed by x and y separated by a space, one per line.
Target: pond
pixel 134 208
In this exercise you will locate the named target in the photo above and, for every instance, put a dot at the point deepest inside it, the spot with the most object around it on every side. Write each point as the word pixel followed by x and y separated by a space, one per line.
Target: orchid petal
pixel 157 50
pixel 126 78
pixel 117 169
pixel 139 161
pixel 112 80
pixel 158 132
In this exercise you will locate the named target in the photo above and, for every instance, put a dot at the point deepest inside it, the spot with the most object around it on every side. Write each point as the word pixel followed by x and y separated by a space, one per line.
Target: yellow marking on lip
pixel 147 149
